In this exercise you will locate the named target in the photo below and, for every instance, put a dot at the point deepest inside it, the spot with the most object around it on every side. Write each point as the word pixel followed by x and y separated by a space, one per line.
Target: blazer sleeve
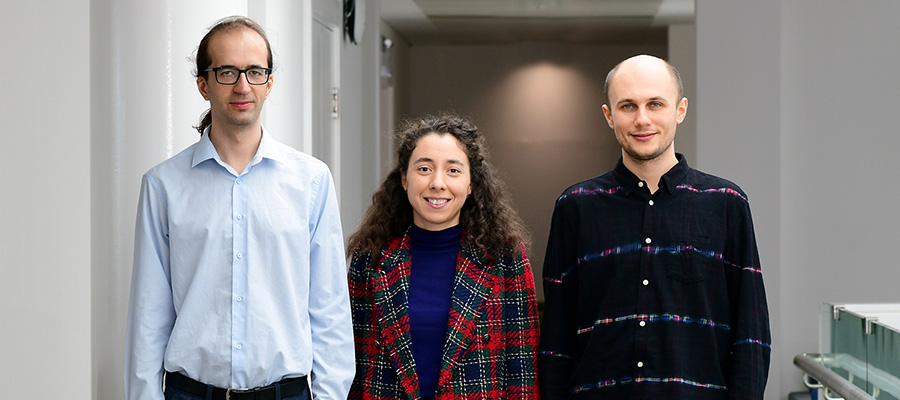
pixel 362 313
pixel 520 314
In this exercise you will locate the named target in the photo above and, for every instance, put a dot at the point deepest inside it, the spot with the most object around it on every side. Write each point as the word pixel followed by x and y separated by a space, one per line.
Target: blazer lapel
pixel 473 284
pixel 392 308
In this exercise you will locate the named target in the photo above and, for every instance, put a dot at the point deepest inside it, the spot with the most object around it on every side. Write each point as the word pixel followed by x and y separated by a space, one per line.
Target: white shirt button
pixel 238 181
pixel 238 346
pixel 642 323
pixel 240 256
pixel 240 299
pixel 651 202
pixel 646 282
pixel 240 217
pixel 640 364
pixel 647 240
pixel 641 184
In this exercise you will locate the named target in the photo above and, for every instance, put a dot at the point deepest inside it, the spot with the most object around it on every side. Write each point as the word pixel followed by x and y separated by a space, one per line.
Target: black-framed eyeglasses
pixel 230 75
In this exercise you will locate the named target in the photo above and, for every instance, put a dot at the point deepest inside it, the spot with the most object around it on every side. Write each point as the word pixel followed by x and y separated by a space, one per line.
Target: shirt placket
pixel 645 280
pixel 239 283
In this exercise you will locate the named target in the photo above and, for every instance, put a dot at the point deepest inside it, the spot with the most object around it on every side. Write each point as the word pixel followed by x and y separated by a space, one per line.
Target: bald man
pixel 652 279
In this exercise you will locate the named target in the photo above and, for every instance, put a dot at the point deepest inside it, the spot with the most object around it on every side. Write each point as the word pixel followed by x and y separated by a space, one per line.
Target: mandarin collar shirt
pixel 239 279
pixel 653 295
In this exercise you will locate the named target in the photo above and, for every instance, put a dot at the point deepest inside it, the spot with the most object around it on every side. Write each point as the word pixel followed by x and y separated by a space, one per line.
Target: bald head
pixel 642 64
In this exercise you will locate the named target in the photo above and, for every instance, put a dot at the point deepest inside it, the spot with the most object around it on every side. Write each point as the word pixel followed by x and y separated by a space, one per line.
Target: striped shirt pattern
pixel 653 296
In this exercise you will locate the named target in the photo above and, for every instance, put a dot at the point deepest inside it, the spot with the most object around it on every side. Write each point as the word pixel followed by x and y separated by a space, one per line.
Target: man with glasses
pixel 239 286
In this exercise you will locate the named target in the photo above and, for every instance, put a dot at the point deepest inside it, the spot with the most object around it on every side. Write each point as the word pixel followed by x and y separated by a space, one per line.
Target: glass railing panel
pixel 862 344
pixel 848 335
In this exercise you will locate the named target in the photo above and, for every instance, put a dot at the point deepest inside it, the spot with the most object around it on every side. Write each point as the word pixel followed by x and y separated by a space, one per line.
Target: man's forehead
pixel 642 85
pixel 243 43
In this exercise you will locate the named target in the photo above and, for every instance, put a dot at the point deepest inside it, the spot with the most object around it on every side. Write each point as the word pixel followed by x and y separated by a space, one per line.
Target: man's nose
pixel 642 117
pixel 242 85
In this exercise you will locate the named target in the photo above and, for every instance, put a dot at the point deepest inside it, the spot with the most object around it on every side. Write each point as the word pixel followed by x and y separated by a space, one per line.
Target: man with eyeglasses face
pixel 239 284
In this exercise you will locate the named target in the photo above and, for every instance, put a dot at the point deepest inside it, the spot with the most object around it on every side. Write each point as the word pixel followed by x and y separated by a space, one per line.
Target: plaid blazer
pixel 492 332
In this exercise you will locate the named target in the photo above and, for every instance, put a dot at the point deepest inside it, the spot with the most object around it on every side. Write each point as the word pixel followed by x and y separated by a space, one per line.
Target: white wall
pixel 144 102
pixel 360 120
pixel 45 239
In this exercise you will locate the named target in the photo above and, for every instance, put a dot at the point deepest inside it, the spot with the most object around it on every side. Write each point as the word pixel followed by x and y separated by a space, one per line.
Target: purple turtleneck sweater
pixel 433 255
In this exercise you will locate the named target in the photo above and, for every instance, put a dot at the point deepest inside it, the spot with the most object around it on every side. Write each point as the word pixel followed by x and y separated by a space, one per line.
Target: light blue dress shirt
pixel 239 280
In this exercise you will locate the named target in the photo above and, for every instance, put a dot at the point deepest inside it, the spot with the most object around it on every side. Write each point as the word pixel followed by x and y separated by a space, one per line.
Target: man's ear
pixel 203 88
pixel 269 85
pixel 682 110
pixel 608 114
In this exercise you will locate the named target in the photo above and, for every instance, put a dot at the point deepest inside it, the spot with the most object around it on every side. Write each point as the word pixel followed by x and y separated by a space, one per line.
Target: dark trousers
pixel 172 393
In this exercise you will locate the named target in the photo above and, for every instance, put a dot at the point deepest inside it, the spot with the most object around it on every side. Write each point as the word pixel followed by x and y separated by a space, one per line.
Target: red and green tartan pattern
pixel 492 329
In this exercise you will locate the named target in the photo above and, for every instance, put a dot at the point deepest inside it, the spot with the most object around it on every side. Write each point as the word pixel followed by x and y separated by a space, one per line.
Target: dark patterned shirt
pixel 653 296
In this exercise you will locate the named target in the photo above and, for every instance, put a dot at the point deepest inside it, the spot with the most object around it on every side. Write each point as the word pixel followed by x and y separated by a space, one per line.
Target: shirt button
pixel 486 338
pixel 238 346
pixel 647 240
pixel 651 202
pixel 239 299
pixel 642 323
pixel 640 364
pixel 240 217
pixel 645 282
pixel 377 344
pixel 641 184
pixel 238 181
pixel 240 256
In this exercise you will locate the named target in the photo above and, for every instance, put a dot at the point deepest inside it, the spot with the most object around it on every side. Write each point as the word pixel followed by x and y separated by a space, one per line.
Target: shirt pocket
pixel 691 264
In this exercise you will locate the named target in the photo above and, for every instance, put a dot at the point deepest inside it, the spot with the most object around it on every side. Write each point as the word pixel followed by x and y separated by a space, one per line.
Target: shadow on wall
pixel 545 130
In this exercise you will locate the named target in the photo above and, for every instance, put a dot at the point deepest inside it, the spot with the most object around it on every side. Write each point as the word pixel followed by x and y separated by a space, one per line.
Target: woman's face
pixel 437 181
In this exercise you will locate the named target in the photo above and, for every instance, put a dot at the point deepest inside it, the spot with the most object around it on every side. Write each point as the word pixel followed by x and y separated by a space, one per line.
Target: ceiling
pixel 505 21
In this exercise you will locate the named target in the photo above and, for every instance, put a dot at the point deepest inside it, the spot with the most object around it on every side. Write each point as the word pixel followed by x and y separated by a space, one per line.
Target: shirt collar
pixel 629 181
pixel 267 149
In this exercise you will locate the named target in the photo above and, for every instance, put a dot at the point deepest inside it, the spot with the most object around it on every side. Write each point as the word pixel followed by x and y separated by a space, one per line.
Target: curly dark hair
pixel 487 217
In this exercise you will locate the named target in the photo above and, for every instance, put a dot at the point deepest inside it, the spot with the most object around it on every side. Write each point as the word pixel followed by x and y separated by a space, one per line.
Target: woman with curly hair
pixel 441 290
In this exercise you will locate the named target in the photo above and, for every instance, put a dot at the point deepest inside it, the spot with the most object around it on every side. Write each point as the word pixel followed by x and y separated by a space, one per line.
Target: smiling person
pixel 441 290
pixel 652 279
pixel 239 284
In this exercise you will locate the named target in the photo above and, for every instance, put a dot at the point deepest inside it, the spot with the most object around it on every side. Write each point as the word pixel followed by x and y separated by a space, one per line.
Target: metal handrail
pixel 830 379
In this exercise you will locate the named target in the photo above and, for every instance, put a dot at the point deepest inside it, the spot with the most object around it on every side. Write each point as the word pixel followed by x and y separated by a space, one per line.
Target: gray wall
pixel 738 117
pixel 797 107
pixel 45 246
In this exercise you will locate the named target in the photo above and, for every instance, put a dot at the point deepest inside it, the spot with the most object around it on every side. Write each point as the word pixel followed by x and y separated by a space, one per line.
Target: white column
pixel 144 101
